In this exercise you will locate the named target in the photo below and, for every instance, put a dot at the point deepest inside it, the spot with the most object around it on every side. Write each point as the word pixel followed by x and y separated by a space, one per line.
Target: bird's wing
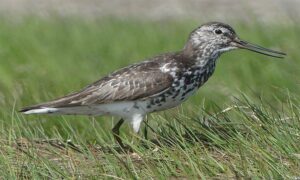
pixel 135 82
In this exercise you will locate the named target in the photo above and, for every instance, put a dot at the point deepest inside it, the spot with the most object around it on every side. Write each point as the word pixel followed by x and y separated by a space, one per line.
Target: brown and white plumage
pixel 156 84
pixel 136 82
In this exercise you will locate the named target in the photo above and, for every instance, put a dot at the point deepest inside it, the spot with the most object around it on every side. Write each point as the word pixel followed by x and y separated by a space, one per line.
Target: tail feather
pixel 38 110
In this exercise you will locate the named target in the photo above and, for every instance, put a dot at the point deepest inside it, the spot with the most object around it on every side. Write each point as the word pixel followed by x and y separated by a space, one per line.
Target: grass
pixel 243 123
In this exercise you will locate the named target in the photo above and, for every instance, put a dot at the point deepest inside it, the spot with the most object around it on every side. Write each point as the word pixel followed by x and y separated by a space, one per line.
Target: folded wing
pixel 135 82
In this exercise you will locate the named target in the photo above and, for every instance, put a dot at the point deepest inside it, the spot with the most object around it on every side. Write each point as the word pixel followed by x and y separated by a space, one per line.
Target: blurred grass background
pixel 42 59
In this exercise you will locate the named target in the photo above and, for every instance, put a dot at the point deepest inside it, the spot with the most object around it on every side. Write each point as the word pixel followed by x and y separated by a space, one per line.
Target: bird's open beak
pixel 256 48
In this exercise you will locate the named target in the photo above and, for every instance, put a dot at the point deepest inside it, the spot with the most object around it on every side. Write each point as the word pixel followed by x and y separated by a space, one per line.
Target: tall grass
pixel 243 123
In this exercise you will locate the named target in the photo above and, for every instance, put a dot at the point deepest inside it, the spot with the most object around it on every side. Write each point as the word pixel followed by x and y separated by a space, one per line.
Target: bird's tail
pixel 38 110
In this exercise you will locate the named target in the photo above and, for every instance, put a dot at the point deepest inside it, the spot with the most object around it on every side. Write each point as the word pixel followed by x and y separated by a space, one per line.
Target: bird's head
pixel 214 38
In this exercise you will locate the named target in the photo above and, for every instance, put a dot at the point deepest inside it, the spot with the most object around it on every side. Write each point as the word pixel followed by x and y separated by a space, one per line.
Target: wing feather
pixel 140 81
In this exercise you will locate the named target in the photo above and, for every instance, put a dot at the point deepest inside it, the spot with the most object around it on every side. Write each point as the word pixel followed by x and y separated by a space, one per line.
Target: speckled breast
pixel 185 84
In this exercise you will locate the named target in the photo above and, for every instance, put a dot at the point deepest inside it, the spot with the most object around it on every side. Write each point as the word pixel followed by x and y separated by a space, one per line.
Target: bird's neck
pixel 201 54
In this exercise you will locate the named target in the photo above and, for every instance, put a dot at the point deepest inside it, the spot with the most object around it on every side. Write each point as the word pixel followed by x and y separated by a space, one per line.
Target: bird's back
pixel 135 82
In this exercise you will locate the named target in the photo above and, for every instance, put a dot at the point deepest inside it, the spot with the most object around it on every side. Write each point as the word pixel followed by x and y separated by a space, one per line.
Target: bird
pixel 155 84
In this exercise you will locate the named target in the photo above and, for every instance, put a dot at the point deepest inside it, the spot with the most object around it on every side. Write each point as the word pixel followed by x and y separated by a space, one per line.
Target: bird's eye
pixel 218 31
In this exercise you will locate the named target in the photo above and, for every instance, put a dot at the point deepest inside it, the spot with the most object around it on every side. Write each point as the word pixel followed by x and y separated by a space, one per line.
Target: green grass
pixel 243 123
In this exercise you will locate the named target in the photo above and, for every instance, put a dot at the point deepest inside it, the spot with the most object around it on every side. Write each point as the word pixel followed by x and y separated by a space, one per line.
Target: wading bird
pixel 156 84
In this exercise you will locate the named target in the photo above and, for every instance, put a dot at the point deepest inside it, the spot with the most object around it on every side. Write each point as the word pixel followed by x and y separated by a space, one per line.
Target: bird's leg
pixel 146 129
pixel 116 132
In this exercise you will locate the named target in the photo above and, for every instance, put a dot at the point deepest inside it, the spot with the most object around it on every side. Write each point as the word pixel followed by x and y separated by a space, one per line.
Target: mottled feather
pixel 138 81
